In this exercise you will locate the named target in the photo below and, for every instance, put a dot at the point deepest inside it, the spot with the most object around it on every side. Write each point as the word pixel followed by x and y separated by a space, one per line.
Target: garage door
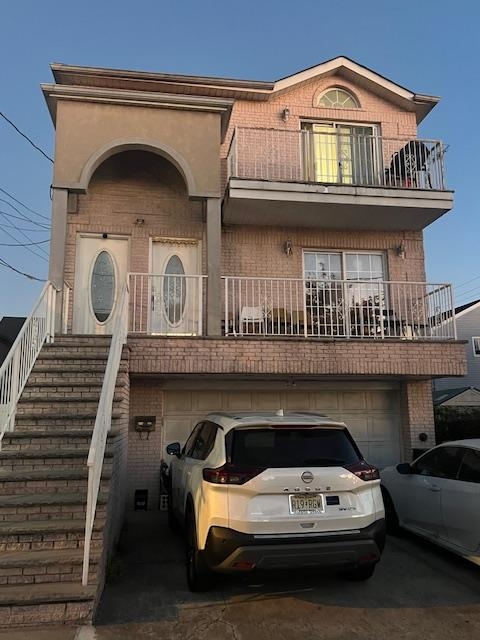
pixel 372 416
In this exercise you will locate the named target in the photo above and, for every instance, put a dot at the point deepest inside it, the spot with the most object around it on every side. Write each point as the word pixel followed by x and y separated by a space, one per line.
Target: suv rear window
pixel 292 447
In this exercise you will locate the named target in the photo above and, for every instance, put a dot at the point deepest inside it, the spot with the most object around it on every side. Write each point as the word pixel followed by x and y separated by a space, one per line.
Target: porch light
pixel 285 114
pixel 288 248
pixel 400 251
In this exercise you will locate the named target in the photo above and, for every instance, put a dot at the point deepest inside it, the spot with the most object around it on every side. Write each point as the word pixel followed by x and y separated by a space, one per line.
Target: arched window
pixel 337 99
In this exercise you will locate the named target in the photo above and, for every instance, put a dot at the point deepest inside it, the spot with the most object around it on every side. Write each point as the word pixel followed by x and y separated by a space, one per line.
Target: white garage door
pixel 372 416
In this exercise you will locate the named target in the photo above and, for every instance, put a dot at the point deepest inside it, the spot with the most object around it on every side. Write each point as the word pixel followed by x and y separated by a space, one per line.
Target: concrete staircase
pixel 43 486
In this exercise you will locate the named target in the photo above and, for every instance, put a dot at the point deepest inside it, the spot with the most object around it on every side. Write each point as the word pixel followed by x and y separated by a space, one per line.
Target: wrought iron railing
pixel 166 304
pixel 38 328
pixel 338 308
pixel 336 158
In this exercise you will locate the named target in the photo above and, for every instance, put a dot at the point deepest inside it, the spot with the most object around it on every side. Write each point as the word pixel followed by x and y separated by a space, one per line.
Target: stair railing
pixel 38 328
pixel 103 423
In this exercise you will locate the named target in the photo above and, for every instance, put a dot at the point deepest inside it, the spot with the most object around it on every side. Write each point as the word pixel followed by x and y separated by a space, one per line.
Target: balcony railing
pixel 166 304
pixel 336 158
pixel 338 309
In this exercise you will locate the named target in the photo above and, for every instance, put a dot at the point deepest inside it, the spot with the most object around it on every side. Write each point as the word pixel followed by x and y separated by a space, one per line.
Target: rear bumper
pixel 228 550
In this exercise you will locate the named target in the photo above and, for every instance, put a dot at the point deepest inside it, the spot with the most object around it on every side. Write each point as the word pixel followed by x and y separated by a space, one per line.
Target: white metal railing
pixel 103 423
pixel 67 291
pixel 166 304
pixel 338 308
pixel 37 328
pixel 336 158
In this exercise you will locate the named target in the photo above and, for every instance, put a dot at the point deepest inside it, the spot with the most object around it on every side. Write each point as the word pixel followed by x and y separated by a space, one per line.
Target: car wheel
pixel 364 572
pixel 199 577
pixel 391 517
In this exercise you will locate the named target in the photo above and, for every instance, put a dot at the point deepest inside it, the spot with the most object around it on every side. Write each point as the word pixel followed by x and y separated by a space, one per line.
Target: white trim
pixel 474 349
pixel 467 310
pixel 323 93
pixel 335 64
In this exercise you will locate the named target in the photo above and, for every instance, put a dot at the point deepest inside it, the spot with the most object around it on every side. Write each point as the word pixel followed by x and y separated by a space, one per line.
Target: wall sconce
pixel 285 114
pixel 140 222
pixel 400 251
pixel 288 248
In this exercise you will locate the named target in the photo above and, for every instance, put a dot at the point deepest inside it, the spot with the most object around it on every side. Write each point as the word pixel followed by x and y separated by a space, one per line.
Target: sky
pixel 429 46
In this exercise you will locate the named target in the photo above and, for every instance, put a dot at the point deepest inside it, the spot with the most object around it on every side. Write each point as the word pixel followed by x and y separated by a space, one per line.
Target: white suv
pixel 274 491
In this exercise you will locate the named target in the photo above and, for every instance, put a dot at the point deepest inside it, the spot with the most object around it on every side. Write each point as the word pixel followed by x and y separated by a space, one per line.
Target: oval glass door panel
pixel 174 290
pixel 102 286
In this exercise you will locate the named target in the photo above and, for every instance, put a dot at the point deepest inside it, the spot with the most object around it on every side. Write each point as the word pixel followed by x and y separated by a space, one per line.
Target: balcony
pixel 173 305
pixel 334 180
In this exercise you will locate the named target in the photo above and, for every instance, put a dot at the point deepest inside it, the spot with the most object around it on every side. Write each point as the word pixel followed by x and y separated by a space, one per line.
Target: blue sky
pixel 427 46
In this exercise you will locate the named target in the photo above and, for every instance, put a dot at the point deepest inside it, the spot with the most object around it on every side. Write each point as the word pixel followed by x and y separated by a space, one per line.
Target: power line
pixel 26 137
pixel 11 226
pixel 23 204
pixel 458 286
pixel 26 244
pixel 4 263
pixel 22 215
pixel 27 248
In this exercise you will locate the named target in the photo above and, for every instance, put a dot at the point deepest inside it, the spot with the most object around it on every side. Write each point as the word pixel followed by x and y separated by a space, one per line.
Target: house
pixel 248 245
pixel 467 320
pixel 9 329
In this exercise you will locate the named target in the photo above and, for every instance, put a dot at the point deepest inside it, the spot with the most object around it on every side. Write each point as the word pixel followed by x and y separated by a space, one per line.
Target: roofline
pixel 467 310
pixel 58 67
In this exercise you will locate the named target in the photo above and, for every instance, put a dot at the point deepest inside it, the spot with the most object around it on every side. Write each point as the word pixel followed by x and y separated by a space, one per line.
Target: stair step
pixel 67 397
pixel 45 566
pixel 47 592
pixel 48 506
pixel 43 370
pixel 46 475
pixel 53 480
pixel 34 527
pixel 42 421
pixel 56 453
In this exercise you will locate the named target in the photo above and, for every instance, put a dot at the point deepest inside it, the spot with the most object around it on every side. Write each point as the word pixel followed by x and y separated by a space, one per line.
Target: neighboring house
pixel 457 397
pixel 467 319
pixel 9 329
pixel 270 234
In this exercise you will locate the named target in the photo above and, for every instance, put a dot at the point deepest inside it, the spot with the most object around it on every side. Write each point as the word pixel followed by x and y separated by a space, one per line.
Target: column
pixel 57 250
pixel 214 281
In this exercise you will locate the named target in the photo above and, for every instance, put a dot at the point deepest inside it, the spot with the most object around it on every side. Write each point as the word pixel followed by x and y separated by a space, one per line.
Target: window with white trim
pixel 476 346
pixel 336 98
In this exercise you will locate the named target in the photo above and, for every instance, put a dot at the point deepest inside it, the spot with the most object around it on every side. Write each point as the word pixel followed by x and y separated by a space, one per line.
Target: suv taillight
pixel 230 474
pixel 364 470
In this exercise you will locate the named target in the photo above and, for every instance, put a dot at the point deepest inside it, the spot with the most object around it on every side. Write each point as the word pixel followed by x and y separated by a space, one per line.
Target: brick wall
pixel 418 412
pixel 144 451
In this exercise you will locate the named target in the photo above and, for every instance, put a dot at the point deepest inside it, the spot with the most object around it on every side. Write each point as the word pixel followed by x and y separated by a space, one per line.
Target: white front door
pixel 176 288
pixel 100 273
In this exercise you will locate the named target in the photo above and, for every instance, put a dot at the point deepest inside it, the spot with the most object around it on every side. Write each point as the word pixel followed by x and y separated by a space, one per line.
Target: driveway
pixel 417 592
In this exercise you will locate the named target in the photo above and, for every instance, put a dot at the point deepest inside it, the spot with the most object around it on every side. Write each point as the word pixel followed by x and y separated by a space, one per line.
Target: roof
pixel 444 395
pixel 114 80
pixel 464 308
pixel 229 420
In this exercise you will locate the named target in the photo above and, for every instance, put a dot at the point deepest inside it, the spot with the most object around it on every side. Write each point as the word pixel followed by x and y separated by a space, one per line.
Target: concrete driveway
pixel 418 592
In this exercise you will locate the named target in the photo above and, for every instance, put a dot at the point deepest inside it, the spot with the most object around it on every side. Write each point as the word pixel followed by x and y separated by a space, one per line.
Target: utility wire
pixel 11 226
pixel 4 263
pixel 458 286
pixel 26 137
pixel 27 248
pixel 27 237
pixel 26 244
pixel 22 215
pixel 24 205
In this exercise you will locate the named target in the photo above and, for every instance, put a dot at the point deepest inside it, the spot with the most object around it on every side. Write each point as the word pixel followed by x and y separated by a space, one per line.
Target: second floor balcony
pixel 277 308
pixel 336 177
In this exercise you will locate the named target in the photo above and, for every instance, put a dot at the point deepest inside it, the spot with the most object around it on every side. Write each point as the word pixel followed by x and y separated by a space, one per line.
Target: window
pixel 292 447
pixel 476 346
pixel 190 443
pixel 470 469
pixel 342 153
pixel 337 99
pixel 204 441
pixel 102 286
pixel 442 462
pixel 353 305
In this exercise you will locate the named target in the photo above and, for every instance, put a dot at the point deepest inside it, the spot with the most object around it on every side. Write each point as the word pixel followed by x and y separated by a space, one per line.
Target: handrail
pixel 102 424
pixel 37 328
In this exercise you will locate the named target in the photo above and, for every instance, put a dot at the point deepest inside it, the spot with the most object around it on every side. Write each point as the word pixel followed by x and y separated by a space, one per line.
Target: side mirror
pixel 174 449
pixel 404 468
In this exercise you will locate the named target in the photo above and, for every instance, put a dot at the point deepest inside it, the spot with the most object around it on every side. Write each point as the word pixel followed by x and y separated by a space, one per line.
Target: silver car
pixel 438 496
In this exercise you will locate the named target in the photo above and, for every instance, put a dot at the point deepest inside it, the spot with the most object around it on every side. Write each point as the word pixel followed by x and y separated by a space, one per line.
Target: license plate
pixel 306 503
